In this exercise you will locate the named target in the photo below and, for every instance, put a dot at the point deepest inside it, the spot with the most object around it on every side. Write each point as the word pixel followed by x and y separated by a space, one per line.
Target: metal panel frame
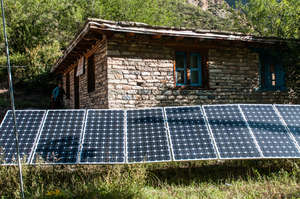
pixel 166 134
pixel 66 163
pixel 275 157
pixel 37 136
pixel 251 132
pixel 209 133
pixel 83 138
pixel 286 126
pixel 35 139
pixel 169 134
pixel 233 158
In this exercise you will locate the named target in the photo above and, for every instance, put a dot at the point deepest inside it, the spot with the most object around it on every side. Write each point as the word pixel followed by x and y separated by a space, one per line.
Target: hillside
pixel 36 44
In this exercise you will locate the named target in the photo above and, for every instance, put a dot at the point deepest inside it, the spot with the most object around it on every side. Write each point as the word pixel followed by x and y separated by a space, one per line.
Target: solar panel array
pixel 60 137
pixel 147 139
pixel 29 123
pixel 270 133
pixel 232 136
pixel 103 139
pixel 291 117
pixel 190 137
pixel 152 135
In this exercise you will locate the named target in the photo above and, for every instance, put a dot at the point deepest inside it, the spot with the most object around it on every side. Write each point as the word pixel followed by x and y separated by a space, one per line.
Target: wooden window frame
pixel 204 77
pixel 91 68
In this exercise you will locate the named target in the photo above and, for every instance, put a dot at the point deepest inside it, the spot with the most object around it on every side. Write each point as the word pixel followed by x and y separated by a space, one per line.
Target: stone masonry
pixel 140 73
pixel 97 98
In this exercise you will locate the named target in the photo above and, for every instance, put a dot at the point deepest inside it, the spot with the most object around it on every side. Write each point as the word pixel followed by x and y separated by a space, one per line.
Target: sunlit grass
pixel 200 179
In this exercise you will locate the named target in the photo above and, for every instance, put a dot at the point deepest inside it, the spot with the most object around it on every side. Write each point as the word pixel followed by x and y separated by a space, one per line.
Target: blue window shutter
pixel 280 76
pixel 265 62
pixel 198 69
pixel 268 80
pixel 184 69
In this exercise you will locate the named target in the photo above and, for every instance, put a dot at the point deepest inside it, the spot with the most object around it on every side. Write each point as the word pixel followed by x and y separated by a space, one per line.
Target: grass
pixel 200 179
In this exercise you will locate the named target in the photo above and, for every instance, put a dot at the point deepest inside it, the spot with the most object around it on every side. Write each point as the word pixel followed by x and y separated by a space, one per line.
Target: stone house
pixel 128 65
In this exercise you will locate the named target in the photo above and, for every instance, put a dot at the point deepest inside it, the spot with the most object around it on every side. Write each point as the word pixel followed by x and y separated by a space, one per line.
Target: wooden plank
pixel 130 34
pixel 157 36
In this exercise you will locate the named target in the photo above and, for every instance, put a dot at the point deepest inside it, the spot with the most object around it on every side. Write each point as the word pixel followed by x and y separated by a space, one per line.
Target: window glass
pixel 194 62
pixel 189 69
pixel 195 77
pixel 179 61
pixel 272 73
pixel 180 77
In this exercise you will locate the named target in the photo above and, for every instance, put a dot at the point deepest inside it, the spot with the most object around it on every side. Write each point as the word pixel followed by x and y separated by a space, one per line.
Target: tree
pixel 272 17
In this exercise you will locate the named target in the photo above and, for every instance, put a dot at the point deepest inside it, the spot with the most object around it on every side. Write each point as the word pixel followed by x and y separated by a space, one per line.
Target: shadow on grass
pixel 186 173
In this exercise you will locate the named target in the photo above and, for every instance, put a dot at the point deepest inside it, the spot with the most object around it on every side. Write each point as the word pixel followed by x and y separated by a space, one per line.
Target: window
pixel 272 75
pixel 91 74
pixel 68 85
pixel 190 68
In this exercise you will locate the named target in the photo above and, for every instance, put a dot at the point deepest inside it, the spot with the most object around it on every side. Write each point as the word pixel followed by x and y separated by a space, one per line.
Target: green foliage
pixel 39 30
pixel 273 17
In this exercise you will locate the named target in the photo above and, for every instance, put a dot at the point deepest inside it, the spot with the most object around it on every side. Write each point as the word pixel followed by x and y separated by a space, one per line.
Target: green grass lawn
pixel 200 179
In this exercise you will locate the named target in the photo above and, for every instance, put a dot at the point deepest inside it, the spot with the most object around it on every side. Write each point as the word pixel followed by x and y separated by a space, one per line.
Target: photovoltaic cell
pixel 291 116
pixel 60 136
pixel 232 136
pixel 28 123
pixel 189 134
pixel 104 137
pixel 269 132
pixel 147 139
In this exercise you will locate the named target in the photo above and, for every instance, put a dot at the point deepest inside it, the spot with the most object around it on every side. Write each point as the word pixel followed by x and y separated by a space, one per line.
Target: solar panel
pixel 104 137
pixel 147 139
pixel 269 132
pixel 232 136
pixel 60 137
pixel 291 116
pixel 190 137
pixel 28 123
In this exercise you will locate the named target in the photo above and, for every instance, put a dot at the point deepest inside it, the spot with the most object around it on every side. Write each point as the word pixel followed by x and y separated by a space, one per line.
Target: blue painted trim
pixel 199 70
pixel 182 69
pixel 266 59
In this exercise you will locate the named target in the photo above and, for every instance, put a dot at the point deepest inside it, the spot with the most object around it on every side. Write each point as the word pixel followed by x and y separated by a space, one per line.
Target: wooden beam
pixel 108 34
pixel 157 36
pixel 179 38
pixel 130 34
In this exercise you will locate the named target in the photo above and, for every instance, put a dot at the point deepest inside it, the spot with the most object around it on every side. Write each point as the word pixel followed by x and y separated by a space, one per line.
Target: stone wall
pixel 140 74
pixel 97 98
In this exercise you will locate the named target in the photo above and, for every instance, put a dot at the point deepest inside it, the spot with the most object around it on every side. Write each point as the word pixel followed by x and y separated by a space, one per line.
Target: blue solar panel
pixel 270 133
pixel 291 116
pixel 28 123
pixel 232 136
pixel 104 137
pixel 147 139
pixel 60 137
pixel 190 137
